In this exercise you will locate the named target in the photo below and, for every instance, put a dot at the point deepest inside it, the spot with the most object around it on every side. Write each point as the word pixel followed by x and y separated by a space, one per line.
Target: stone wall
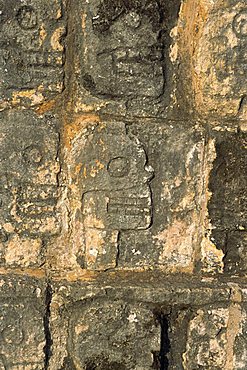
pixel 123 193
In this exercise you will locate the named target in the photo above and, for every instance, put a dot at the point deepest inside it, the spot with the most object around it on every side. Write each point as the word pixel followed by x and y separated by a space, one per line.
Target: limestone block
pixel 137 321
pixel 122 64
pixel 228 203
pixel 22 312
pixel 133 195
pixel 32 54
pixel 29 167
pixel 103 334
pixel 207 339
pixel 219 57
pixel 240 344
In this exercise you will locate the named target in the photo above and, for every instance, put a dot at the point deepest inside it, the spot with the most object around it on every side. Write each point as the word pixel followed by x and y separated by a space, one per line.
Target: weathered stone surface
pixel 123 64
pixel 123 185
pixel 114 183
pixel 219 57
pixel 207 338
pixel 32 55
pixel 119 333
pixel 175 156
pixel 178 322
pixel 29 167
pixel 22 312
pixel 228 204
pixel 133 195
pixel 215 334
pixel 240 344
pixel 147 286
pixel 77 320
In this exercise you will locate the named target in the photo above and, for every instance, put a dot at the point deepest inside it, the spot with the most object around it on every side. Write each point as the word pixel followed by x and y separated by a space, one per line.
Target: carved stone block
pixel 113 183
pixel 29 167
pixel 22 336
pixel 228 204
pixel 141 320
pixel 124 52
pixel 134 194
pixel 32 56
pixel 123 335
pixel 220 58
pixel 240 345
pixel 214 336
pixel 207 339
pixel 91 330
pixel 176 186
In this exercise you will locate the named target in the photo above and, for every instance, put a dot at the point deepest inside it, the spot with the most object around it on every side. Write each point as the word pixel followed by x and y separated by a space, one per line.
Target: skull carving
pixel 126 50
pixel 115 192
pixel 109 325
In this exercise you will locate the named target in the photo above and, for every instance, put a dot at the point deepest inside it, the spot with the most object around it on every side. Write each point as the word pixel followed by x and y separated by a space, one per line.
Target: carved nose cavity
pixel 149 172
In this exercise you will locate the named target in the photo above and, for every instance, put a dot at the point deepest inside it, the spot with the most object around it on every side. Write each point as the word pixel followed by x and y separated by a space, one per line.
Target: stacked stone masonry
pixel 123 191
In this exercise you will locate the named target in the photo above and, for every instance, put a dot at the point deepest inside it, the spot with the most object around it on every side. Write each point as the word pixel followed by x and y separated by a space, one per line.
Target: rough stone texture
pixel 22 313
pixel 125 326
pixel 134 196
pixel 228 204
pixel 176 197
pixel 212 40
pixel 32 56
pixel 123 185
pixel 29 167
pixel 188 323
pixel 240 345
pixel 207 339
pixel 123 65
pixel 219 58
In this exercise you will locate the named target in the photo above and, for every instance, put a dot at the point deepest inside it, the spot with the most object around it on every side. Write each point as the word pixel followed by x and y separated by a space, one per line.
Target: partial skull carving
pixel 128 51
pixel 98 340
pixel 32 54
pixel 22 335
pixel 115 192
pixel 28 189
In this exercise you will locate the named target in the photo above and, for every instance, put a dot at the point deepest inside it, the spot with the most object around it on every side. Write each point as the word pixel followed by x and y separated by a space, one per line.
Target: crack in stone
pixel 48 338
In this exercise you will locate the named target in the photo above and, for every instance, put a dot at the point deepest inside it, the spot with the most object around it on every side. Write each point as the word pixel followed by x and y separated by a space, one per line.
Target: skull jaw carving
pixel 114 212
pixel 127 52
pixel 116 197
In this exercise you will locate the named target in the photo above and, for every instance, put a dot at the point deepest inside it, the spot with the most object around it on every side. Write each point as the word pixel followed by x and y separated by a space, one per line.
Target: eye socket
pixel 118 167
pixel 32 155
pixel 13 334
pixel 27 17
